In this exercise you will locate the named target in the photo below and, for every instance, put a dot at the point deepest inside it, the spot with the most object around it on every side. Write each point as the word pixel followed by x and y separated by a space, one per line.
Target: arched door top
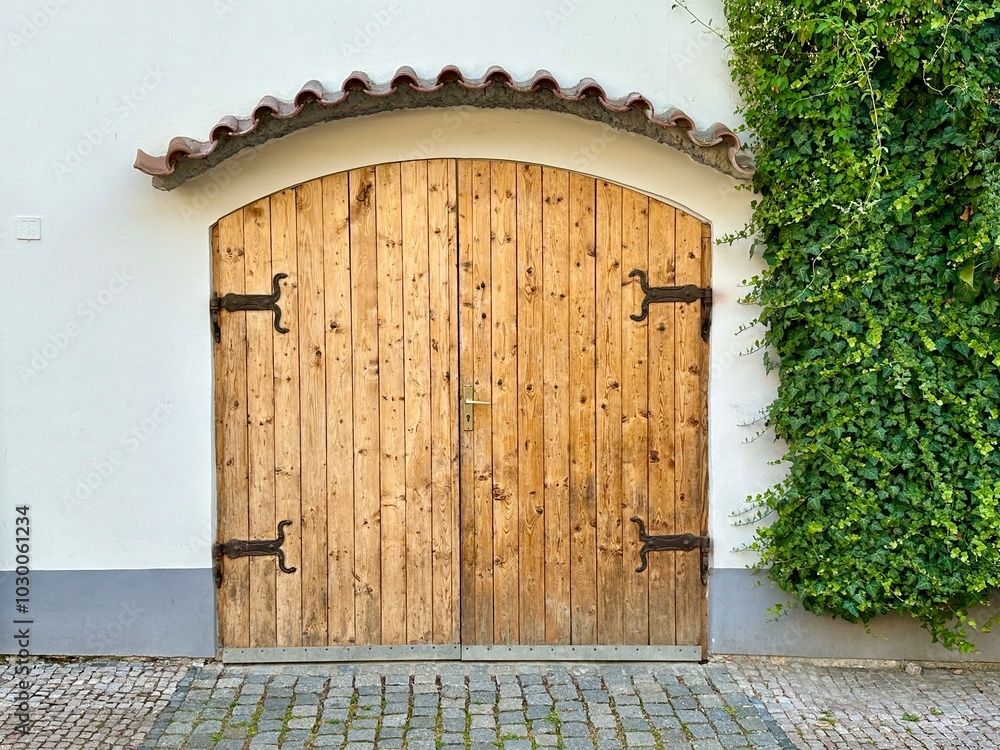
pixel 717 146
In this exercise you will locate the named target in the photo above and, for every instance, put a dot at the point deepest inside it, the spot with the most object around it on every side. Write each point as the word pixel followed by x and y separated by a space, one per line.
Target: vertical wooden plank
pixel 260 422
pixel 476 359
pixel 706 281
pixel 467 288
pixel 661 424
pixel 443 313
pixel 231 429
pixel 482 361
pixel 287 472
pixel 530 413
pixel 555 285
pixel 688 417
pixel 312 380
pixel 340 397
pixel 416 389
pixel 582 476
pixel 364 318
pixel 609 414
pixel 392 426
pixel 504 399
pixel 635 451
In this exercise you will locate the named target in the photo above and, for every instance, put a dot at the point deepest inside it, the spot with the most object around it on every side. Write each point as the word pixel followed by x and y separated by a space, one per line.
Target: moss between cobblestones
pixel 284 723
pixel 252 729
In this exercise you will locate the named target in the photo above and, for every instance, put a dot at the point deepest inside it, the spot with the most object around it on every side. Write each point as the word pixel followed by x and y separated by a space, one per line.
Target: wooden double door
pixel 417 518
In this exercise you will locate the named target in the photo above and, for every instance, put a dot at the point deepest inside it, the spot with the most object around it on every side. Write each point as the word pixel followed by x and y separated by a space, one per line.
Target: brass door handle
pixel 468 418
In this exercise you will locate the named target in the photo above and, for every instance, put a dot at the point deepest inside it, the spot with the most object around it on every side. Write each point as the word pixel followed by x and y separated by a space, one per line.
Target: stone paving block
pixel 419 734
pixel 692 717
pixel 702 731
pixel 514 730
pixel 265 738
pixel 733 741
pixel 328 740
pixel 603 720
pixel 574 729
pixel 482 735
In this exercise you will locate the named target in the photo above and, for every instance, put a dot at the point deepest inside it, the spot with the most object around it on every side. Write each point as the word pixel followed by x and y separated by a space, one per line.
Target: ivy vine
pixel 877 140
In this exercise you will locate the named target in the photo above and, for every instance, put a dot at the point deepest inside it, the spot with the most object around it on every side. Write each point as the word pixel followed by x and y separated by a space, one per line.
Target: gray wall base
pixel 117 612
pixel 738 623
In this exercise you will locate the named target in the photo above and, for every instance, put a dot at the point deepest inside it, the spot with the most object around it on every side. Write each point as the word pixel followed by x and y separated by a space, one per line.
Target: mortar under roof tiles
pixel 717 146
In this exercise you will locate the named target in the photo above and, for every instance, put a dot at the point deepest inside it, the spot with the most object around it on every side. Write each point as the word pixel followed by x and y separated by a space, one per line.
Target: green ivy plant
pixel 877 139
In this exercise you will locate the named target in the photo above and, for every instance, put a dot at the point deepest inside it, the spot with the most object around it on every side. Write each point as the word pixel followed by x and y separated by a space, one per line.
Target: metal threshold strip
pixel 427 652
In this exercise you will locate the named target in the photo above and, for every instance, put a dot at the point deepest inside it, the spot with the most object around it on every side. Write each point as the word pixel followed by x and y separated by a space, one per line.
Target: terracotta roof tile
pixel 717 146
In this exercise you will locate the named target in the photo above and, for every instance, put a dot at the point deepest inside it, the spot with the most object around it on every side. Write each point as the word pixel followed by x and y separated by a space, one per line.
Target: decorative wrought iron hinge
pixel 233 302
pixel 679 542
pixel 250 548
pixel 687 293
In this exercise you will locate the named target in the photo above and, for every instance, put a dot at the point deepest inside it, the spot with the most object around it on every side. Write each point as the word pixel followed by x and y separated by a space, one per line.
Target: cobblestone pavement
pixel 475 706
pixel 722 705
pixel 831 707
pixel 87 704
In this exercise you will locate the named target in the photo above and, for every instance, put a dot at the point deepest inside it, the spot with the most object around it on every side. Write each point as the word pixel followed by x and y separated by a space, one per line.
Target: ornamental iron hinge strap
pixel 678 542
pixel 233 302
pixel 250 548
pixel 687 293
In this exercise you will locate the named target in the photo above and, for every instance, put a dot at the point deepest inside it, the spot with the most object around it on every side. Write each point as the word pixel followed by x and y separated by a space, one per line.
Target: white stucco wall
pixel 105 349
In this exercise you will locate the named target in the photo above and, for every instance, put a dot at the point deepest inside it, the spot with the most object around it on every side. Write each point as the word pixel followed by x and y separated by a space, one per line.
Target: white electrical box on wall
pixel 29 228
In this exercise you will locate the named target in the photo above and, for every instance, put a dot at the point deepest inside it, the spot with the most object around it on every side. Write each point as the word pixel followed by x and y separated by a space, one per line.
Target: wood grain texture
pixel 582 477
pixel 287 472
pixel 706 280
pixel 231 410
pixel 416 388
pixel 609 321
pixel 504 399
pixel 662 476
pixel 340 398
pixel 392 424
pixel 260 421
pixel 466 374
pixel 688 416
pixel 556 322
pixel 530 412
pixel 478 236
pixel 635 442
pixel 406 281
pixel 312 395
pixel 443 313
pixel 367 496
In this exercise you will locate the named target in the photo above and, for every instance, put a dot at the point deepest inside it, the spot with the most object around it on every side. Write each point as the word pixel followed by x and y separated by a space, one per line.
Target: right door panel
pixel 592 417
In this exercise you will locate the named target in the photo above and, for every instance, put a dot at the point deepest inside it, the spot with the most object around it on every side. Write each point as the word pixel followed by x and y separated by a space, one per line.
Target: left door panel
pixel 347 425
